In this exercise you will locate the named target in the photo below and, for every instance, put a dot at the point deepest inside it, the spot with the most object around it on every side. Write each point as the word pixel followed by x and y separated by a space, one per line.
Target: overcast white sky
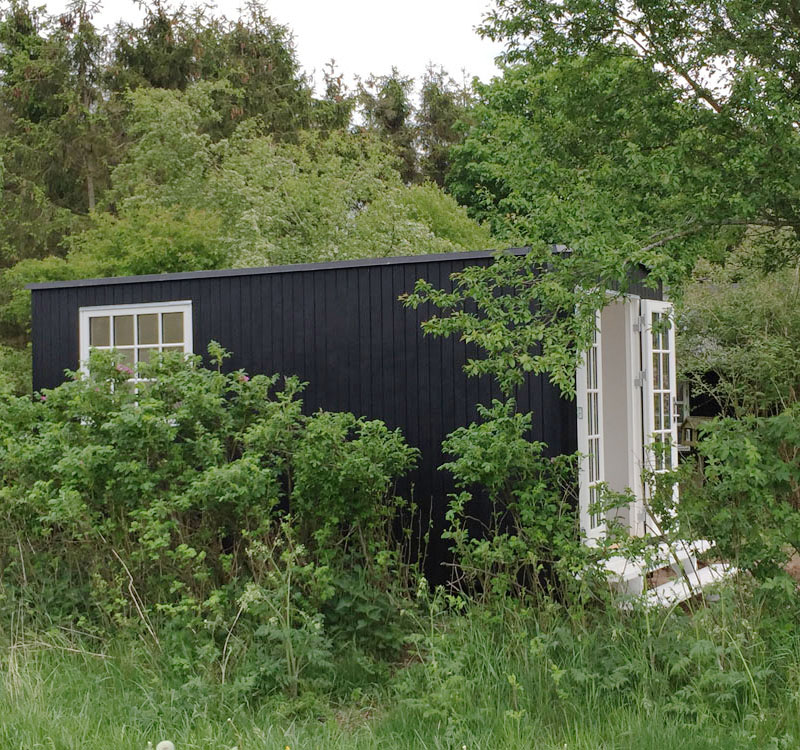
pixel 365 36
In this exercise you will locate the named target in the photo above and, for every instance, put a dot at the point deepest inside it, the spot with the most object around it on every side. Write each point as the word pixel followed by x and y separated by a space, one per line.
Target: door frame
pixel 589 382
pixel 659 396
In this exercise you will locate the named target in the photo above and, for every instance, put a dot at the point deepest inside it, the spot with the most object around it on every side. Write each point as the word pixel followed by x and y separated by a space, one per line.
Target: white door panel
pixel 589 394
pixel 659 395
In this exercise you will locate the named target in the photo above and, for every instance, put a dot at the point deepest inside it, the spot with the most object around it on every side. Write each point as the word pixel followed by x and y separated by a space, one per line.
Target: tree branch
pixel 774 223
pixel 665 58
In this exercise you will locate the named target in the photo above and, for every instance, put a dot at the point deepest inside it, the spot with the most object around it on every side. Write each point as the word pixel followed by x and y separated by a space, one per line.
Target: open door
pixel 659 391
pixel 589 395
pixel 628 431
pixel 622 408
pixel 626 400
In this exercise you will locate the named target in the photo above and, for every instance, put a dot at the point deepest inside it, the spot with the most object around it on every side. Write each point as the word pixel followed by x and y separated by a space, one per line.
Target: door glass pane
pixel 173 328
pixel 659 453
pixel 126 356
pixel 148 328
pixel 665 370
pixel 123 330
pixel 655 332
pixel 99 331
pixel 128 386
pixel 657 371
pixel 657 411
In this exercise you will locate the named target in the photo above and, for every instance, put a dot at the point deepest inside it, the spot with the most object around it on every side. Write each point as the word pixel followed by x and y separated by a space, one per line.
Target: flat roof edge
pixel 265 270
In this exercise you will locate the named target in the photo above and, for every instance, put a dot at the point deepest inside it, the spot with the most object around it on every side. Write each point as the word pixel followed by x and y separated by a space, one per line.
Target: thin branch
pixel 225 653
pixel 667 59
pixel 775 224
pixel 136 599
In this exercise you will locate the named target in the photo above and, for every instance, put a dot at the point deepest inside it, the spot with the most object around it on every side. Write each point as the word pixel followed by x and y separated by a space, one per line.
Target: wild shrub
pixel 15 370
pixel 528 529
pixel 199 505
pixel 749 500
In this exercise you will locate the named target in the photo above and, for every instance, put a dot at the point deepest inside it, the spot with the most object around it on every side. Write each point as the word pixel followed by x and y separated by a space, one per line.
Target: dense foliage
pixel 749 501
pixel 738 338
pixel 203 502
pixel 687 125
pixel 631 133
pixel 194 141
pixel 528 542
pixel 241 554
pixel 238 569
pixel 183 202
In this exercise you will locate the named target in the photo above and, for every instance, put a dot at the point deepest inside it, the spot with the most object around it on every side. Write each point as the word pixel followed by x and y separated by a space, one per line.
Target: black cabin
pixel 340 327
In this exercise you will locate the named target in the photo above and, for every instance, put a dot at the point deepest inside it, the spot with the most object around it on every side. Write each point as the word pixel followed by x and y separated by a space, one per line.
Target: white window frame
pixel 667 388
pixel 143 308
pixel 591 527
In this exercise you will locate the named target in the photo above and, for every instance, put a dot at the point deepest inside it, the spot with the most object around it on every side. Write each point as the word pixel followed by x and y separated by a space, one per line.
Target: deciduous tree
pixel 633 133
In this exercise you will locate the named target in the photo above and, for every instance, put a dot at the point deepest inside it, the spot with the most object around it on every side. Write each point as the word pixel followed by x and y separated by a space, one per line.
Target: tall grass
pixel 724 676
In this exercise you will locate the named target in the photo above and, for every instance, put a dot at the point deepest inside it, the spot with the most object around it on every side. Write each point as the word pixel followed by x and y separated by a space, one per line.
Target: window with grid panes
pixel 136 331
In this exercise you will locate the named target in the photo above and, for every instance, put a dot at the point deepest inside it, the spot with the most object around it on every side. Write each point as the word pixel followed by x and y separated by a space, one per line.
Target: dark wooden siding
pixel 342 329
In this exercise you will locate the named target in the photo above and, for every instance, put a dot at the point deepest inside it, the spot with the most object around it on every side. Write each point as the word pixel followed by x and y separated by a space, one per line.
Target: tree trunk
pixel 90 183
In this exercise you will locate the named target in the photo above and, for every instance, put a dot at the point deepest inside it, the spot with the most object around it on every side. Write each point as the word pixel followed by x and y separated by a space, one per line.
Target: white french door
pixel 659 395
pixel 589 394
pixel 626 398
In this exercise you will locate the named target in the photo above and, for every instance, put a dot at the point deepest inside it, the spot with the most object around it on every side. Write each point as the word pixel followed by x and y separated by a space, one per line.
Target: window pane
pixel 128 386
pixel 172 349
pixel 143 355
pixel 655 333
pixel 173 328
pixel 123 330
pixel 99 331
pixel 148 328
pixel 125 356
